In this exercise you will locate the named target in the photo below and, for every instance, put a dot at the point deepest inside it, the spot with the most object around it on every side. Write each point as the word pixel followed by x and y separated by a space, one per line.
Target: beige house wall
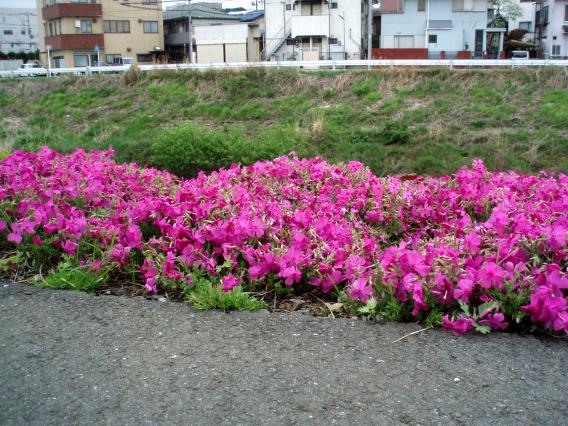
pixel 137 41
pixel 131 44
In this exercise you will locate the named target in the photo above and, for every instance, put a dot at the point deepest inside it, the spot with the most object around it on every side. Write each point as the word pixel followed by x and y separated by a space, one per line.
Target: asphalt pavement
pixel 73 358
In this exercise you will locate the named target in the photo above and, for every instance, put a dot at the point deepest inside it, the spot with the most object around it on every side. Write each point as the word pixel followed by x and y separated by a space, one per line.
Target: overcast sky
pixel 32 3
pixel 18 3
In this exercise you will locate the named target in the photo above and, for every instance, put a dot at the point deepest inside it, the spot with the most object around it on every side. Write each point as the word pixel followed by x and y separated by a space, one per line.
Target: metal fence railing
pixel 326 64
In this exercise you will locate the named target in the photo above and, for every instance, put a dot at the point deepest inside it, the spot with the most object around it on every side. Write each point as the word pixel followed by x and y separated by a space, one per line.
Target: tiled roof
pixel 251 16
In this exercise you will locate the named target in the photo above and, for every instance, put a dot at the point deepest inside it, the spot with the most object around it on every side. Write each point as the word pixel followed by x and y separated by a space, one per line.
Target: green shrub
pixel 188 149
pixel 203 295
pixel 396 132
pixel 73 279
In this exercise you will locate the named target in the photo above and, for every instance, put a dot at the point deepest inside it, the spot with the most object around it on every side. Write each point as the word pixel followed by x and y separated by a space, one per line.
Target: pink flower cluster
pixel 474 237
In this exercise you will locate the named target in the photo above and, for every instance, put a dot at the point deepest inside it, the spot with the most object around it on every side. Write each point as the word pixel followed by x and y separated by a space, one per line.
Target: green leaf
pixel 369 307
pixel 483 329
pixel 486 307
pixel 465 308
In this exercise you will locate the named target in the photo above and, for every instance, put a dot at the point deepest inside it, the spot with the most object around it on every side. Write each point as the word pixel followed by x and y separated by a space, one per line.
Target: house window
pixel 58 62
pixel 110 58
pixel 432 38
pixel 527 25
pixel 334 5
pixel 144 57
pixel 117 26
pixel 333 41
pixel 86 26
pixel 421 5
pixel 23 32
pixel 555 50
pixel 566 13
pixel 544 15
pixel 150 26
pixel 392 6
pixel 469 5
pixel 8 32
pixel 288 7
pixel 81 60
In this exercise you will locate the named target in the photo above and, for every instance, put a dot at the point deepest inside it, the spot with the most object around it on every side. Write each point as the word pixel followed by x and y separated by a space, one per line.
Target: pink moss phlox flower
pixel 458 327
pixel 495 321
pixel 291 275
pixel 149 273
pixel 491 275
pixel 69 247
pixel 229 282
pixel 295 219
pixel 360 290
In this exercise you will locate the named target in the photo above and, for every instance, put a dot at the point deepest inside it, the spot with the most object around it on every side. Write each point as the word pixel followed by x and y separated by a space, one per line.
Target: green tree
pixel 505 11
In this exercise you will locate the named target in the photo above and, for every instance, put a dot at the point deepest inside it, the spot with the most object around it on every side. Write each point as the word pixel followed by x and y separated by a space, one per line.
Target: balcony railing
pixel 61 10
pixel 177 39
pixel 75 41
pixel 310 25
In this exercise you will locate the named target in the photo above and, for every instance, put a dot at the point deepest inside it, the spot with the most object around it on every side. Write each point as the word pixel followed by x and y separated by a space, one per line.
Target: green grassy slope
pixel 395 121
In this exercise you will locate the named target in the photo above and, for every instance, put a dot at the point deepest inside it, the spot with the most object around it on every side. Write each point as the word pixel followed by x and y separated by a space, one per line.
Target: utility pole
pixel 190 55
pixel 370 32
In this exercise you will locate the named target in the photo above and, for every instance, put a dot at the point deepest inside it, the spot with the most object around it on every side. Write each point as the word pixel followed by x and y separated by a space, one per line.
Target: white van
pixel 31 69
pixel 520 54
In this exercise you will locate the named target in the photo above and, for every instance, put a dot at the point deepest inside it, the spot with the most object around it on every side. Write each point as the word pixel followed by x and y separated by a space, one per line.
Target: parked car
pixel 520 54
pixel 123 60
pixel 31 70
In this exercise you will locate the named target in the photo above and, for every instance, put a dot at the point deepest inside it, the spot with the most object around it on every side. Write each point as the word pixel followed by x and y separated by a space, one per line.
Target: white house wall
pixel 225 34
pixel 413 23
pixel 555 36
pixel 276 17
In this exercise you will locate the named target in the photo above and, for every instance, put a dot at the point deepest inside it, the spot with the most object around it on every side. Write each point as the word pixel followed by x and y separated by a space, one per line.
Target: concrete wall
pixel 413 23
pixel 18 20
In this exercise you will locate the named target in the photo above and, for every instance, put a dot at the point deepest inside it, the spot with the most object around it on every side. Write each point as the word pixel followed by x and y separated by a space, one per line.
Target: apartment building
pixel 435 28
pixel 83 32
pixel 315 29
pixel 18 30
pixel 551 28
pixel 182 19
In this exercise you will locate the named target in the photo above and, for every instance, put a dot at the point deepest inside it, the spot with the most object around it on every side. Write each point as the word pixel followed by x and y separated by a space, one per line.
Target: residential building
pixel 551 28
pixel 435 28
pixel 83 32
pixel 180 20
pixel 315 29
pixel 231 42
pixel 18 30
pixel 526 20
pixel 246 5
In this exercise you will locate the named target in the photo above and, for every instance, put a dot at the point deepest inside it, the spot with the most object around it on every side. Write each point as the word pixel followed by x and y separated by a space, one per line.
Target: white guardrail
pixel 331 65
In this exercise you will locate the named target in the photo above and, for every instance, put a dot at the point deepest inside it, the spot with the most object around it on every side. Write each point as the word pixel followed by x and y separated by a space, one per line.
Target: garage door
pixel 209 53
pixel 236 52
